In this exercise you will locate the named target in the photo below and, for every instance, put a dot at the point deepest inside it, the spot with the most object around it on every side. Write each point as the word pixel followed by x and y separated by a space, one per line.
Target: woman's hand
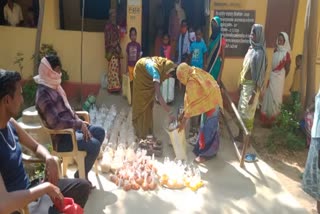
pixel 182 124
pixel 181 117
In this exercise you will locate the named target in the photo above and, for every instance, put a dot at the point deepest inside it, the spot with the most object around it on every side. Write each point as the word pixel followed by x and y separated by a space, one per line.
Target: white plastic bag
pixel 104 80
pixel 178 140
pixel 167 90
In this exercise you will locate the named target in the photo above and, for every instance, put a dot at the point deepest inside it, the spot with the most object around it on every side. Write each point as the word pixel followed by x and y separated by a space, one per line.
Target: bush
pixel 285 131
pixel 29 91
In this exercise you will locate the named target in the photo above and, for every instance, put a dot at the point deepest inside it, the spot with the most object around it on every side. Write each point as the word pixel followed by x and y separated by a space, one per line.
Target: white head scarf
pixel 280 55
pixel 286 46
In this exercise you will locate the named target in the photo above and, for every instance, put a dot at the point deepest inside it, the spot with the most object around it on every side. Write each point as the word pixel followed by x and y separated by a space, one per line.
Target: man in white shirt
pixel 13 14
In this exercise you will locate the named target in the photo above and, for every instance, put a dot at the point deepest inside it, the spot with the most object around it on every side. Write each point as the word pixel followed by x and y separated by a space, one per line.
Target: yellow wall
pixel 232 67
pixel 14 40
pixel 67 43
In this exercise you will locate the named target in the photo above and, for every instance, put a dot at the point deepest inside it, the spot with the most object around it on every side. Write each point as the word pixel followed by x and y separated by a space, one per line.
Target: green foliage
pixel 19 60
pixel 29 91
pixel 285 131
pixel 46 49
pixel 39 171
pixel 64 75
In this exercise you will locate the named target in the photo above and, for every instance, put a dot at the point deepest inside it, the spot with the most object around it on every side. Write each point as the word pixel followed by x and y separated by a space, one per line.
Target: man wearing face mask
pixel 183 47
pixel 177 14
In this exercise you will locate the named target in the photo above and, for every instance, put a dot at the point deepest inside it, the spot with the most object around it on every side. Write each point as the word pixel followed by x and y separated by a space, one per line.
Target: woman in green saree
pixel 148 74
pixel 216 50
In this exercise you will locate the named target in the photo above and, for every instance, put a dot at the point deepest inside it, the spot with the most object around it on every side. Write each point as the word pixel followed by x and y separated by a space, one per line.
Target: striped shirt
pixel 53 111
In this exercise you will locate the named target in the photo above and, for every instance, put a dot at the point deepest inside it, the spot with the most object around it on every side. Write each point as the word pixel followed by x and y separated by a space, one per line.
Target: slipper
pixel 250 158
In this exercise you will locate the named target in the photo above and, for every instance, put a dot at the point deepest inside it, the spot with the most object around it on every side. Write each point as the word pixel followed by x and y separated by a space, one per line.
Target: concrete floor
pixel 228 188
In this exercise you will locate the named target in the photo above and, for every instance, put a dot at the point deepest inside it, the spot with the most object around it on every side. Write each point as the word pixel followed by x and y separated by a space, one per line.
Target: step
pixel 36 131
pixel 30 115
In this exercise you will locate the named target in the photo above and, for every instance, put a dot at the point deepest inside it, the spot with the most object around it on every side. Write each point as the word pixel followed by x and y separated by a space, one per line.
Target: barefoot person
pixel 202 97
pixel 148 74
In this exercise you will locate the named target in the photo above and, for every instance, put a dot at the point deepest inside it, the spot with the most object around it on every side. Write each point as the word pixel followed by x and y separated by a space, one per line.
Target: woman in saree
pixel 272 99
pixel 202 97
pixel 113 53
pixel 148 74
pixel 216 49
pixel 252 78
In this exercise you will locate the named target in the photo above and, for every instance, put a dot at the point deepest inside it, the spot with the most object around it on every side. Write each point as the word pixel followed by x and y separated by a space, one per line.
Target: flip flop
pixel 250 158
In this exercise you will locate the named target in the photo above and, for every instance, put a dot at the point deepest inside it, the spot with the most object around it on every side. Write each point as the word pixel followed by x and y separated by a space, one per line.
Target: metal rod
pixel 232 138
pixel 247 134
pixel 235 110
pixel 81 50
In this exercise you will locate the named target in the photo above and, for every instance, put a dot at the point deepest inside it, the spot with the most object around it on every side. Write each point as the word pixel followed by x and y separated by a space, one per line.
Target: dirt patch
pixel 288 165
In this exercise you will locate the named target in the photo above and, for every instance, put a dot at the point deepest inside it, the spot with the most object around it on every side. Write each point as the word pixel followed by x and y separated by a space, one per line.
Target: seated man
pixel 54 108
pixel 13 14
pixel 15 190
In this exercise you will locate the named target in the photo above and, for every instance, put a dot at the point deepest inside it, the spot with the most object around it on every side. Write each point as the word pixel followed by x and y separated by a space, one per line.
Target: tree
pixel 38 38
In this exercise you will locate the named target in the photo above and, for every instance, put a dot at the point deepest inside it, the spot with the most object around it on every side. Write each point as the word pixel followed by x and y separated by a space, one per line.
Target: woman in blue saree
pixel 216 50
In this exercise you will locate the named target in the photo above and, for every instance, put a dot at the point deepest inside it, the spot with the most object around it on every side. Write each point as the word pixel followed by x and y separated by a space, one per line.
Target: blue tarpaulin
pixel 95 9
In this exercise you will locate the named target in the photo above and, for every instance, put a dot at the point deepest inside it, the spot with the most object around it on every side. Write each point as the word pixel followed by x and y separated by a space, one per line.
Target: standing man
pixel 15 189
pixel 13 14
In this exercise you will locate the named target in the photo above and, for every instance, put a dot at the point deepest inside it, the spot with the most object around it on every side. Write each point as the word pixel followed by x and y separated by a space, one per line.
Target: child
pixel 198 51
pixel 183 46
pixel 133 52
pixel 165 49
pixel 297 73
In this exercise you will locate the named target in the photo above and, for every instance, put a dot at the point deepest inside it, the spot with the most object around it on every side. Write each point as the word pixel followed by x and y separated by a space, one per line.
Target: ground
pixel 288 165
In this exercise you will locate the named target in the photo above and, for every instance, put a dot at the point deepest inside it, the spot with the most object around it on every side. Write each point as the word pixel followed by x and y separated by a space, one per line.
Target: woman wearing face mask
pixel 216 50
pixel 280 68
pixel 252 78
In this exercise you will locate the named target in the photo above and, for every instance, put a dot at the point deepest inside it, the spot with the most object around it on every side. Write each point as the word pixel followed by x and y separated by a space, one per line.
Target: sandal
pixel 250 158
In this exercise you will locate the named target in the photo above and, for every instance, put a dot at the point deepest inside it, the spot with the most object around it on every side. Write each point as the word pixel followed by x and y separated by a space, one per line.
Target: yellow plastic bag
pixel 178 140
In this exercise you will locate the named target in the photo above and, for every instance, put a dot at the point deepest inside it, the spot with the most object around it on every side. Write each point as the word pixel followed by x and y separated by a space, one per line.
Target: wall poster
pixel 235 27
